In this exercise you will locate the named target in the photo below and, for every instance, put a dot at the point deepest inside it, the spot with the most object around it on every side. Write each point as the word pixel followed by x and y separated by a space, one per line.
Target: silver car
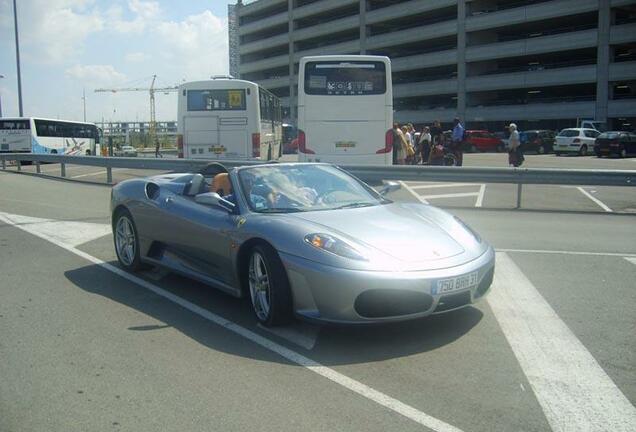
pixel 304 240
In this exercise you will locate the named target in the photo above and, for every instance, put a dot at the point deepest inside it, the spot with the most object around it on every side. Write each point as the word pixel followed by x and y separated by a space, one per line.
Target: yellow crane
pixel 151 90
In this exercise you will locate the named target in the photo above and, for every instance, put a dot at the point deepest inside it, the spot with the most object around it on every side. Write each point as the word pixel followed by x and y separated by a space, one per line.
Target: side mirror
pixel 389 186
pixel 214 199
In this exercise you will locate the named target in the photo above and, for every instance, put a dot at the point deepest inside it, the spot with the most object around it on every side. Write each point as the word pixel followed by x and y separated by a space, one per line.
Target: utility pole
pixel 84 101
pixel 1 76
pixel 17 56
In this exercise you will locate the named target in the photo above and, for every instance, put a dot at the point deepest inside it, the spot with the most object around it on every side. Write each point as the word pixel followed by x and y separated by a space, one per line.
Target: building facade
pixel 540 63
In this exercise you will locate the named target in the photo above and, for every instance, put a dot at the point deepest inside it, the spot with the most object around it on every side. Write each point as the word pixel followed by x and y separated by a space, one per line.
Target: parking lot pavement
pixel 93 347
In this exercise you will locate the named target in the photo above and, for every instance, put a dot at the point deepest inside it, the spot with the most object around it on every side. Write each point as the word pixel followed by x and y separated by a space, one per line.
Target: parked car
pixel 575 140
pixel 304 240
pixel 482 140
pixel 615 143
pixel 126 151
pixel 540 141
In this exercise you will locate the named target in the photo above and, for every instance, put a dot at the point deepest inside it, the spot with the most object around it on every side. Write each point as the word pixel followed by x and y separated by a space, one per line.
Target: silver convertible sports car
pixel 304 240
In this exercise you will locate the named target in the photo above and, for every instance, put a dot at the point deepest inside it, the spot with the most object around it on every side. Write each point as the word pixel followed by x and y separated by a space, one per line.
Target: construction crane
pixel 152 90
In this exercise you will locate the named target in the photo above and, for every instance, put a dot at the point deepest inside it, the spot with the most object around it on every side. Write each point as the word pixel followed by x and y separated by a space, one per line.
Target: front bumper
pixel 334 295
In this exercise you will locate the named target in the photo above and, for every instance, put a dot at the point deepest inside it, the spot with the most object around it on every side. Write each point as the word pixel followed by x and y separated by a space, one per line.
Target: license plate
pixel 458 283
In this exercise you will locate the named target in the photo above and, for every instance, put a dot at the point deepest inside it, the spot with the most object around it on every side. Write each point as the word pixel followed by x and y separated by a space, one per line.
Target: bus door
pixel 201 138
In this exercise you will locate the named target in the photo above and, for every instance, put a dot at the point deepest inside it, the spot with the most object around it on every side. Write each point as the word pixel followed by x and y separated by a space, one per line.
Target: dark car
pixel 540 141
pixel 483 140
pixel 615 142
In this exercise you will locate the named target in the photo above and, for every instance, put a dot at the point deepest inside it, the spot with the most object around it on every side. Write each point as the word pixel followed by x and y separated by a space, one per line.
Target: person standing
pixel 410 153
pixel 515 155
pixel 457 141
pixel 157 152
pixel 424 145
pixel 399 145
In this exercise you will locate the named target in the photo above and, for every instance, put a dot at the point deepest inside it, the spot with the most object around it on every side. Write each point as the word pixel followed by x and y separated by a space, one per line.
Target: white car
pixel 126 151
pixel 575 140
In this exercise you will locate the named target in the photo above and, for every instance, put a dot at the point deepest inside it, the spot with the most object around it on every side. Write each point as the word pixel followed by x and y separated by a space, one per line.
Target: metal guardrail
pixel 368 173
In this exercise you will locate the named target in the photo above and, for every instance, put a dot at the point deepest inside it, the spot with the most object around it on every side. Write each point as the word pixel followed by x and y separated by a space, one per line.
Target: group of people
pixel 430 147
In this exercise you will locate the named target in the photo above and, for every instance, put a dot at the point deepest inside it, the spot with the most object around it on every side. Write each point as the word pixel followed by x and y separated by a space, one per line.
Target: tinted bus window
pixel 15 124
pixel 216 100
pixel 336 78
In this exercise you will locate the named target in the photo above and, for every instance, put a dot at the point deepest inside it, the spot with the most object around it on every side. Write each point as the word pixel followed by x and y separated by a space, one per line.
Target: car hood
pixel 409 233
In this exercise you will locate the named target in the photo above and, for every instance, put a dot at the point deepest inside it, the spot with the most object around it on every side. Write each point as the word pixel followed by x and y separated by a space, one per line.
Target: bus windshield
pixel 337 78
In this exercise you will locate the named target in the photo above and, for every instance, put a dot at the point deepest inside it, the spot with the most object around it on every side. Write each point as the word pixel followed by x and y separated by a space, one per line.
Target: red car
pixel 482 140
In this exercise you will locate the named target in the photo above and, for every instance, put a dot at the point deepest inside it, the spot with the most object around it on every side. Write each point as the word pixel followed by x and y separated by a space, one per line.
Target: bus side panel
pixel 201 138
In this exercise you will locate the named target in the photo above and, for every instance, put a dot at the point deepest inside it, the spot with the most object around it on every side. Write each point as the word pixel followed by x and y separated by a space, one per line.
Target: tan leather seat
pixel 221 184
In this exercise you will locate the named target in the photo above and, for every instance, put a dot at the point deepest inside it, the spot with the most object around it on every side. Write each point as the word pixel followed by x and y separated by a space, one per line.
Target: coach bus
pixel 345 109
pixel 227 118
pixel 47 136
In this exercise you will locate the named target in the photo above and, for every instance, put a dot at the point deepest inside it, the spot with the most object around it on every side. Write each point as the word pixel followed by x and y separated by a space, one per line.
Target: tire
pixel 583 150
pixel 126 241
pixel 541 150
pixel 557 153
pixel 269 154
pixel 473 149
pixel 623 153
pixel 270 297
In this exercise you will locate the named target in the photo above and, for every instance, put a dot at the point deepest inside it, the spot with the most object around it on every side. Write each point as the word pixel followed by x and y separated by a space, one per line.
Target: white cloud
pixel 198 44
pixel 96 75
pixel 146 13
pixel 57 28
pixel 136 57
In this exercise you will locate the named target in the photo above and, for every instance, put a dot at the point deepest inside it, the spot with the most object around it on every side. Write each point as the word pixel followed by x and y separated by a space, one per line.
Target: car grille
pixel 381 303
pixel 453 301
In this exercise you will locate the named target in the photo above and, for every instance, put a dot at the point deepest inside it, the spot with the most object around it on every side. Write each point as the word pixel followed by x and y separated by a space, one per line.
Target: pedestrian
pixel 436 153
pixel 436 132
pixel 457 141
pixel 399 145
pixel 424 145
pixel 410 152
pixel 157 152
pixel 515 154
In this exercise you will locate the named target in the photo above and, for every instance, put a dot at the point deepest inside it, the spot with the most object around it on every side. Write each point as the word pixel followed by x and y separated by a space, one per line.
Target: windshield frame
pixel 381 200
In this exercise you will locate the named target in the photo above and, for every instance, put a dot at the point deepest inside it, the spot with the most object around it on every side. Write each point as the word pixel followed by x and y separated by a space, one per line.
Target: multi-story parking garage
pixel 540 63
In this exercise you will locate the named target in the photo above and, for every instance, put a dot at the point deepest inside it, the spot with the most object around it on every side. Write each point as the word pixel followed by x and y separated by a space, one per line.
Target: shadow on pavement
pixel 335 345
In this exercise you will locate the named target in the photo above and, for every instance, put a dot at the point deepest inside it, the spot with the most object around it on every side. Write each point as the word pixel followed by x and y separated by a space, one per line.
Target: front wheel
pixel 583 150
pixel 623 153
pixel 541 150
pixel 126 241
pixel 558 154
pixel 270 293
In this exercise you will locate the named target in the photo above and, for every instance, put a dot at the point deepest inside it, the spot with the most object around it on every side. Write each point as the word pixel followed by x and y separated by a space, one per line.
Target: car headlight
pixel 334 245
pixel 469 229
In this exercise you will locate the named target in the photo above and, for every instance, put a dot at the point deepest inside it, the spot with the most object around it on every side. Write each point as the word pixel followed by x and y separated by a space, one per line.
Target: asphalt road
pixel 85 346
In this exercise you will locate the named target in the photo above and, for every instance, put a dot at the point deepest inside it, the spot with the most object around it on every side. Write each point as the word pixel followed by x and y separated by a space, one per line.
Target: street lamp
pixel 1 76
pixel 17 56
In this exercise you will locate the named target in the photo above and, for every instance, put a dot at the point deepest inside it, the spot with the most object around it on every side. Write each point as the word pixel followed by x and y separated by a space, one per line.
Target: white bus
pixel 345 109
pixel 46 136
pixel 226 118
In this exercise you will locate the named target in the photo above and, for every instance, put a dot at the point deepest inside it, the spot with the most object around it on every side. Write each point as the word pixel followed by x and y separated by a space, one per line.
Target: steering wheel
pixel 324 197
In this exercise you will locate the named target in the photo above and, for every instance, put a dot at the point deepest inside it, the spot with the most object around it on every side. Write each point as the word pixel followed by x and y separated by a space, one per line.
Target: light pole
pixel 84 101
pixel 17 56
pixel 1 76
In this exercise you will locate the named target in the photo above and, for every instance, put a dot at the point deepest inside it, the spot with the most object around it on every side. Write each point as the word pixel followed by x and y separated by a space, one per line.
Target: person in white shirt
pixel 515 156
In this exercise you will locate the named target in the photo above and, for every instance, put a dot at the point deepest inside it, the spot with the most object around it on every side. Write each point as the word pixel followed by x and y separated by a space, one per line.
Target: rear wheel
pixel 583 150
pixel 270 293
pixel 557 153
pixel 126 241
pixel 623 153
pixel 541 150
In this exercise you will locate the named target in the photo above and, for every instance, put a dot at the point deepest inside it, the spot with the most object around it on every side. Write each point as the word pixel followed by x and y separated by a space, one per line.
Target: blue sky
pixel 68 45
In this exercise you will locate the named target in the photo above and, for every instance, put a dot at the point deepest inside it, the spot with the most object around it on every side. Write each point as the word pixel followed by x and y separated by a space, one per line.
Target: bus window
pixel 345 78
pixel 216 100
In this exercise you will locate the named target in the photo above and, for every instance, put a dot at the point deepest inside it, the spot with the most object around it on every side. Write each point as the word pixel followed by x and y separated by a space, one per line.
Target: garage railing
pixel 368 173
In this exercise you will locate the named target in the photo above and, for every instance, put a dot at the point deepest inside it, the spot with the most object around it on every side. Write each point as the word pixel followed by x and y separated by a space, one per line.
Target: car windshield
pixel 304 187
pixel 569 133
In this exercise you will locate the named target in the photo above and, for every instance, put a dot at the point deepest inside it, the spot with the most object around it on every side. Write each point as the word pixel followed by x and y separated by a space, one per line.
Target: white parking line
pixel 301 334
pixel 453 195
pixel 564 252
pixel 442 185
pixel 415 194
pixel 596 200
pixel 480 197
pixel 89 174
pixel 631 259
pixel 574 392
pixel 294 357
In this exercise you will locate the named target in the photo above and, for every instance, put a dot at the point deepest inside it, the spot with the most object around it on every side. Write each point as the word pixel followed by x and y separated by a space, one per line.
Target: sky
pixel 70 45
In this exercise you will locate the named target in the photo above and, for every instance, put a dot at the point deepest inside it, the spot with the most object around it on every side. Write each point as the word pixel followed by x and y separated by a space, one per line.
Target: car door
pixel 199 238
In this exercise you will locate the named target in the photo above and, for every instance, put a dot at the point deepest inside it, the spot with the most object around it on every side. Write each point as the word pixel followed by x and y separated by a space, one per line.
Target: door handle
pixel 169 200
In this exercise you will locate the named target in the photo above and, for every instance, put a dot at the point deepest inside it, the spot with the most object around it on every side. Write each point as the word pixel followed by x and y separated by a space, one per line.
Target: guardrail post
pixel 37 167
pixel 63 169
pixel 109 175
pixel 19 165
pixel 519 187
